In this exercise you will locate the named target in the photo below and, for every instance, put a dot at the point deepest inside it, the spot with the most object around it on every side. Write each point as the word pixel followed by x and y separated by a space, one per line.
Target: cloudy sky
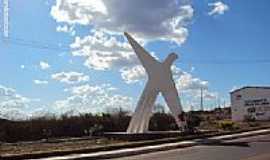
pixel 71 56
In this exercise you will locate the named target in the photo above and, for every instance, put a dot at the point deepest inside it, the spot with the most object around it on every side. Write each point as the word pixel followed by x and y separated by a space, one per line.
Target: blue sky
pixel 221 46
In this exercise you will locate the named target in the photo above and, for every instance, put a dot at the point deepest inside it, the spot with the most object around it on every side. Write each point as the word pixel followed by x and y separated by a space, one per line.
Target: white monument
pixel 160 79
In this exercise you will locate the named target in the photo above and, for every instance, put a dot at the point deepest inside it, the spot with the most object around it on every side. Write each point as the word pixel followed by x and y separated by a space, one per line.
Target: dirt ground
pixel 37 147
pixel 74 144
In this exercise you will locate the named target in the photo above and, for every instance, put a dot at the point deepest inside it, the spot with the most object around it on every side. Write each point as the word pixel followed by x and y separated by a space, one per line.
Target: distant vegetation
pixel 85 125
pixel 76 126
pixel 65 126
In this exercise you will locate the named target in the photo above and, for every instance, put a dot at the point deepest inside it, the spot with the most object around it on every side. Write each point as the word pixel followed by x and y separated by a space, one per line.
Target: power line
pixel 57 47
pixel 35 44
pixel 225 61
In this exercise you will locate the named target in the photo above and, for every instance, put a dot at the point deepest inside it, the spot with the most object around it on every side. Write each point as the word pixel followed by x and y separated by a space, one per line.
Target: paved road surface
pixel 253 148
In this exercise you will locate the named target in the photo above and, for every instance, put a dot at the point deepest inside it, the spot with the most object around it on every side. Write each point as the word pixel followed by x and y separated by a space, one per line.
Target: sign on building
pixel 250 103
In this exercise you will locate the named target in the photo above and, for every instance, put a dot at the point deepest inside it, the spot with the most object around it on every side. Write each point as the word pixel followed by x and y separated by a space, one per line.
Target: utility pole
pixel 191 107
pixel 202 109
pixel 219 105
pixel 5 25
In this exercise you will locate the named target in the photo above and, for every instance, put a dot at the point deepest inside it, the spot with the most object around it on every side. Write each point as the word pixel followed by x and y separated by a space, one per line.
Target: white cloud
pixel 94 99
pixel 78 11
pixel 44 65
pixel 183 80
pixel 12 104
pixel 70 77
pixel 36 81
pixel 195 95
pixel 133 74
pixel 66 29
pixel 103 52
pixel 13 114
pixel 9 93
pixel 62 28
pixel 219 8
pixel 169 18
pixel 187 82
pixel 190 86
pixel 210 95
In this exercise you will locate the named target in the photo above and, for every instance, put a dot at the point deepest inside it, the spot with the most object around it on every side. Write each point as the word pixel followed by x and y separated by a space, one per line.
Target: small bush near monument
pixel 227 125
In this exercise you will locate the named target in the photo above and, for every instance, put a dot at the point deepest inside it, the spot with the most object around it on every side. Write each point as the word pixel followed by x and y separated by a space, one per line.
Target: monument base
pixel 150 135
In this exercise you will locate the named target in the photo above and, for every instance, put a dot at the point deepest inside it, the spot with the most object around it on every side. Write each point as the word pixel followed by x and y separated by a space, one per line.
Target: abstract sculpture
pixel 160 79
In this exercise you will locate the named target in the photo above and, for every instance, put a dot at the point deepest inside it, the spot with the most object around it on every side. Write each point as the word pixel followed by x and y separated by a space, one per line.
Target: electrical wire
pixel 39 45
pixel 35 44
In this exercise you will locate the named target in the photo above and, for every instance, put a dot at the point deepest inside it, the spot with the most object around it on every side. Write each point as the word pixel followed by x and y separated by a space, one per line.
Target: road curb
pixel 154 148
pixel 243 135
pixel 124 152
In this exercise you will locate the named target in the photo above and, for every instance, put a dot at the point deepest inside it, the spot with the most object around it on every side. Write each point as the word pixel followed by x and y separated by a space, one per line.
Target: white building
pixel 250 103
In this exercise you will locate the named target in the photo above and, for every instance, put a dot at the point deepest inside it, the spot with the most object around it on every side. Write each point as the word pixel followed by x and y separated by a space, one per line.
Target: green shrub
pixel 227 125
pixel 249 118
pixel 253 124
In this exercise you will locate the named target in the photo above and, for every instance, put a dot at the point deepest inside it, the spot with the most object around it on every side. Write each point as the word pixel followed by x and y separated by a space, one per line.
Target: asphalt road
pixel 252 148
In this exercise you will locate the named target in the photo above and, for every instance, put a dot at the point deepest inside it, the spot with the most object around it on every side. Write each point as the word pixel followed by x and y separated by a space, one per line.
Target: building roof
pixel 253 87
